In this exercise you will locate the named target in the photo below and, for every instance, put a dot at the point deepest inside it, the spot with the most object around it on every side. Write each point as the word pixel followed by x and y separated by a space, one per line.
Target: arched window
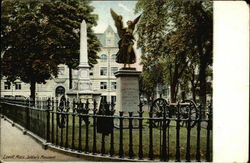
pixel 60 91
pixel 113 57
pixel 104 57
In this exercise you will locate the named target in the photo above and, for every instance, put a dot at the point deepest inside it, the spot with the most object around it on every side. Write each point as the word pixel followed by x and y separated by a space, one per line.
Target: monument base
pixel 127 95
pixel 84 95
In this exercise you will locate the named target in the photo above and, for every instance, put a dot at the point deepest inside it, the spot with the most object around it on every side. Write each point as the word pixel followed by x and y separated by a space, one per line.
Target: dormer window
pixel 109 41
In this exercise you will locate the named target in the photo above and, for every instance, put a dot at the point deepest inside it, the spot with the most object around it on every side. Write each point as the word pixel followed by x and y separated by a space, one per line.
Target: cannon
pixel 184 110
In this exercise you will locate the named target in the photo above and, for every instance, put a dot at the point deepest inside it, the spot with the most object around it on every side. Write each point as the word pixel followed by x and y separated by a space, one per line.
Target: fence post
pixel 87 126
pixel 112 111
pixel 94 127
pixel 57 120
pixel 164 143
pixel 73 131
pixel 209 127
pixel 67 131
pixel 27 115
pixel 151 153
pixel 103 144
pixel 198 154
pixel 177 155
pixel 131 153
pixel 80 134
pixel 48 120
pixel 53 123
pixel 188 136
pixel 67 124
pixel 140 153
pixel 121 135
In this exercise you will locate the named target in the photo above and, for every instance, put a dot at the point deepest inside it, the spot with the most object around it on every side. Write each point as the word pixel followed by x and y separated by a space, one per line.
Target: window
pixel 61 71
pixel 103 85
pixel 18 86
pixel 9 96
pixel 91 72
pixel 108 41
pixel 103 71
pixel 60 91
pixel 104 98
pixel 113 70
pixel 113 57
pixel 113 85
pixel 7 85
pixel 104 57
pixel 113 99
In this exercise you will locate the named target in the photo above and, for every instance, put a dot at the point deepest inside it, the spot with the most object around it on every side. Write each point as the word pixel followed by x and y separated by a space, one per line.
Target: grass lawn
pixel 157 136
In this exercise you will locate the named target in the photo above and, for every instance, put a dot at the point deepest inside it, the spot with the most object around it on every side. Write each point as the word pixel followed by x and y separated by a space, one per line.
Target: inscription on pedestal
pixel 129 94
pixel 127 91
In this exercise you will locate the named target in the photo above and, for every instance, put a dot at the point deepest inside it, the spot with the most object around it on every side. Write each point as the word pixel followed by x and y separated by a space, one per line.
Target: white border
pixel 231 81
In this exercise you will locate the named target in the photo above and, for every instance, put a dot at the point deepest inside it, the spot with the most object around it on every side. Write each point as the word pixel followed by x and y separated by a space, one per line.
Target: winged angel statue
pixel 126 52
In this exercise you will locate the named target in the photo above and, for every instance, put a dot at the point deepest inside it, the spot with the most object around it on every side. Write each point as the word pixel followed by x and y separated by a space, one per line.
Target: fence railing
pixel 167 132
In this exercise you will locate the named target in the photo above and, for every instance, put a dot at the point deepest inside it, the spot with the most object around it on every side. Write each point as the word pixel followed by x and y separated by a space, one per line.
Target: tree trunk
pixel 193 85
pixel 194 94
pixel 173 89
pixel 202 79
pixel 70 78
pixel 32 90
pixel 174 84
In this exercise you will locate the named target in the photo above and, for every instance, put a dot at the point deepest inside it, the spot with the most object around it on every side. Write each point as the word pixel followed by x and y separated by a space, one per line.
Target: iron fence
pixel 168 132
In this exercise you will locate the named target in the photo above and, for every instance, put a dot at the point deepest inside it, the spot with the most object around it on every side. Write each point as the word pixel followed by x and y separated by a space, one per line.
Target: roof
pixel 102 36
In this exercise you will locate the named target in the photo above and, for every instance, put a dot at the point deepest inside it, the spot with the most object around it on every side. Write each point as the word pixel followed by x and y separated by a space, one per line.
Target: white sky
pixel 102 8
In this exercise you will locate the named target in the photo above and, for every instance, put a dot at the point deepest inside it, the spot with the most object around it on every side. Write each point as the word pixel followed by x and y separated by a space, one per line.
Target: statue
pixel 126 52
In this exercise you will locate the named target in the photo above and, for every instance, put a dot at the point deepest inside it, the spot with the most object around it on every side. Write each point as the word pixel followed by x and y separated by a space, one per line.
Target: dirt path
pixel 19 147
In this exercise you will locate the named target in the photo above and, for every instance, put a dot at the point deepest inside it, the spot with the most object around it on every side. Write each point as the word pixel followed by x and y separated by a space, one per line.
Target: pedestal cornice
pixel 124 73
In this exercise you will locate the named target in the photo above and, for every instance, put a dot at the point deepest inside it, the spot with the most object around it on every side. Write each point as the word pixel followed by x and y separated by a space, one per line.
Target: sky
pixel 102 8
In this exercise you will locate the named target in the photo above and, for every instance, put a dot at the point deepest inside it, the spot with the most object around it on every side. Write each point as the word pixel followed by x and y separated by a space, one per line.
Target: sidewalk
pixel 15 146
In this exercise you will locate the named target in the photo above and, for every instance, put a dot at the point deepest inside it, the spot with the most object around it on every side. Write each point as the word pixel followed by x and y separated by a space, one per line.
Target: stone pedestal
pixel 127 94
pixel 83 88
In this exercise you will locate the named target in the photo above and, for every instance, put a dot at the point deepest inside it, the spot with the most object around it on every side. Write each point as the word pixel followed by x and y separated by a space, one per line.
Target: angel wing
pixel 118 23
pixel 132 26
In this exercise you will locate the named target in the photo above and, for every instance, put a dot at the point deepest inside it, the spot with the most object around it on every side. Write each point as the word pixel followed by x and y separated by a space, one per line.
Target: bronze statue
pixel 126 52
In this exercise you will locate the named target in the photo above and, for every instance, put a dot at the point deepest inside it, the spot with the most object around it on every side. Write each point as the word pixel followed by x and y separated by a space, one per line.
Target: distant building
pixel 101 75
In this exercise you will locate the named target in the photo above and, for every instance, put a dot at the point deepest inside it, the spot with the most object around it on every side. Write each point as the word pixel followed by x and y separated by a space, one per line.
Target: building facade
pixel 101 75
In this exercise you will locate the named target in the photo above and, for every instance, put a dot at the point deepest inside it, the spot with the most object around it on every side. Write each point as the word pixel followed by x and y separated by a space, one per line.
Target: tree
pixel 189 80
pixel 176 33
pixel 151 76
pixel 66 16
pixel 35 42
pixel 26 43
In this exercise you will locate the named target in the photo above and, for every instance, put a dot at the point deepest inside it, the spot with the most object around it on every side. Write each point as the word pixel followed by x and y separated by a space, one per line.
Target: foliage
pixel 38 35
pixel 27 40
pixel 66 16
pixel 175 34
